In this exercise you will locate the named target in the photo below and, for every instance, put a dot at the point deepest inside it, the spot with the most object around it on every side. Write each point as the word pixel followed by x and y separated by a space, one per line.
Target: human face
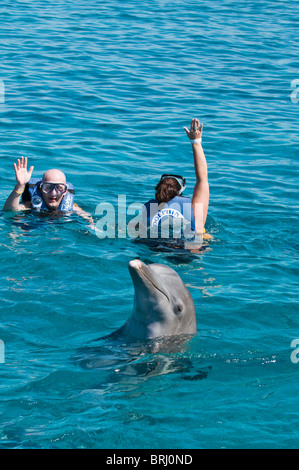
pixel 55 188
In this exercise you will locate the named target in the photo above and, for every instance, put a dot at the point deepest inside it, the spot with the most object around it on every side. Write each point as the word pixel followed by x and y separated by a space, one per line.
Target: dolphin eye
pixel 178 309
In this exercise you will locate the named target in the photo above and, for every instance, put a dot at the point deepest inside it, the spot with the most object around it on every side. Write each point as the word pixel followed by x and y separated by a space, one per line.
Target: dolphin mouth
pixel 142 272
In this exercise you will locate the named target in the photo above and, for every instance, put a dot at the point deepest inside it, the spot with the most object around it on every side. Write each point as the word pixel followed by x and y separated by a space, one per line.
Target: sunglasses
pixel 178 178
pixel 60 188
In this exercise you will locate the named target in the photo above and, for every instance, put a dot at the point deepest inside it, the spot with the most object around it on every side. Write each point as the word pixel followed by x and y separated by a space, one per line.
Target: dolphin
pixel 162 321
pixel 163 306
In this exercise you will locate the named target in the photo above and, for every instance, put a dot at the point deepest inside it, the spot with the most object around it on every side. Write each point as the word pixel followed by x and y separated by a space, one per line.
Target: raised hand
pixel 22 175
pixel 195 131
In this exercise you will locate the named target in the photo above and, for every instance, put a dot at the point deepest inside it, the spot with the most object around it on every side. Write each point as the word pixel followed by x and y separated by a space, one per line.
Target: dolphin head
pixel 163 305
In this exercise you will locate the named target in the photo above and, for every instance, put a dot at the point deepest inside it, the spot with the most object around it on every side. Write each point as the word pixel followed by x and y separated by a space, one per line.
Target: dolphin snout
pixel 145 280
pixel 135 264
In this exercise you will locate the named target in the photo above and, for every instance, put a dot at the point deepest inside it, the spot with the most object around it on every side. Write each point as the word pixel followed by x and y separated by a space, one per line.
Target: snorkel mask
pixel 178 178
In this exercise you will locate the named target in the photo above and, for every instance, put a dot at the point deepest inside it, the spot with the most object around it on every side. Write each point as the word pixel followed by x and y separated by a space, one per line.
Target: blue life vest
pixel 178 207
pixel 38 203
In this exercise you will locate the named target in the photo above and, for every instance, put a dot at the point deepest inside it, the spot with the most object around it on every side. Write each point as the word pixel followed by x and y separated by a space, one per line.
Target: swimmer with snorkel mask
pixel 51 193
pixel 169 200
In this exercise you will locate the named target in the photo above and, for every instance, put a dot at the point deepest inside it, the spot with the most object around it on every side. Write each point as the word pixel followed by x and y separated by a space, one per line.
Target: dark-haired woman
pixel 169 202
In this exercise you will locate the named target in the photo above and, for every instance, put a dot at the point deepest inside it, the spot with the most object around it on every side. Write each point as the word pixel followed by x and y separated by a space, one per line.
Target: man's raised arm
pixel 22 176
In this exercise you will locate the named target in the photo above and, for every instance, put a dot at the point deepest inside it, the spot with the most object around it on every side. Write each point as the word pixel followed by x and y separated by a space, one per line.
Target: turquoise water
pixel 102 91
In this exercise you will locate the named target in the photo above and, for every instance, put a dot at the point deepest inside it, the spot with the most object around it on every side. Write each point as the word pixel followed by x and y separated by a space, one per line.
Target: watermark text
pixel 152 220
pixel 295 353
pixel 2 352
pixel 295 92
pixel 2 91
pixel 161 460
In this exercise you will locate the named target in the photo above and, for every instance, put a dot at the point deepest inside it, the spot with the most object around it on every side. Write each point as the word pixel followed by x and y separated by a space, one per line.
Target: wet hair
pixel 167 189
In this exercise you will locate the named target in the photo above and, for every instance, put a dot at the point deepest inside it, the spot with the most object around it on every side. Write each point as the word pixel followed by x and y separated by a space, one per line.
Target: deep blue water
pixel 102 90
